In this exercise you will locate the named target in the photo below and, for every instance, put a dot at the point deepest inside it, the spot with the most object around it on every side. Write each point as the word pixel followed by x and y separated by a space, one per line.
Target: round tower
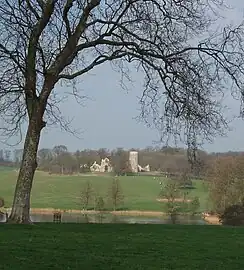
pixel 133 160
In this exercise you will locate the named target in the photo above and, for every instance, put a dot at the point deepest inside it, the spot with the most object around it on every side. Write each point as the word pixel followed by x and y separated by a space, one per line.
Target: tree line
pixel 59 160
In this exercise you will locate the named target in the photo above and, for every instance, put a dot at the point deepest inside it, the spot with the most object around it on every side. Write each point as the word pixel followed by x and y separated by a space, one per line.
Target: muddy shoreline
pixel 211 219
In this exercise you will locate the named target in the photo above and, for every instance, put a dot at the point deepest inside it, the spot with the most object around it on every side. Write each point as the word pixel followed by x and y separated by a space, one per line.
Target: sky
pixel 107 119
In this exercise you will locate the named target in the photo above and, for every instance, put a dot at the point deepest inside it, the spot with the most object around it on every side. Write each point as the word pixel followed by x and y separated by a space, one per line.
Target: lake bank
pixel 73 215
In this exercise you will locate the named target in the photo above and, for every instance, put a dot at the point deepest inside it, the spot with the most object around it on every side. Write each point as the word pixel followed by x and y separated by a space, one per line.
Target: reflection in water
pixel 2 217
pixel 110 218
pixel 173 218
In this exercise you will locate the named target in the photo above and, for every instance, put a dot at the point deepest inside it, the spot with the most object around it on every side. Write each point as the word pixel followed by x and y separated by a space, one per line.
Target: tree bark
pixel 20 212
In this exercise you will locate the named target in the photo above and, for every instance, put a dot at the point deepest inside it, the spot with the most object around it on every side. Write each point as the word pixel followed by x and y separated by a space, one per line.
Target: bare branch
pixel 32 9
pixel 35 34
pixel 12 56
pixel 41 4
pixel 98 61
pixel 66 56
pixel 68 53
pixel 67 7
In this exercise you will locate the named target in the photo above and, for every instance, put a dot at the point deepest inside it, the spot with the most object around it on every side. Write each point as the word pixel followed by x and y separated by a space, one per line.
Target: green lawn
pixel 52 191
pixel 116 246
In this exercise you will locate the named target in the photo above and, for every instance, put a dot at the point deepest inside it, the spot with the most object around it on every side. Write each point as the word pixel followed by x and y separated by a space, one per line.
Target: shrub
pixel 194 205
pixel 185 181
pixel 233 215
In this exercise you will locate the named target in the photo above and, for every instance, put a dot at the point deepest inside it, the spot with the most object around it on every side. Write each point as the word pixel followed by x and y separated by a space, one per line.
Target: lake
pixel 110 218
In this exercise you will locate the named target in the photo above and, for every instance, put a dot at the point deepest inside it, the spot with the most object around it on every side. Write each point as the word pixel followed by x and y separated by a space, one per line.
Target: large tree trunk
pixel 21 204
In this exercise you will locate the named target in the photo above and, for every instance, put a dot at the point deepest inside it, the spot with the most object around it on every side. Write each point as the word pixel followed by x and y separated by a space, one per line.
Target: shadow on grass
pixel 188 187
pixel 108 209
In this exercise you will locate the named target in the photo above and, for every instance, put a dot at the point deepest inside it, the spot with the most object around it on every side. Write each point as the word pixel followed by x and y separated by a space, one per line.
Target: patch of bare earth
pixel 122 213
pixel 212 219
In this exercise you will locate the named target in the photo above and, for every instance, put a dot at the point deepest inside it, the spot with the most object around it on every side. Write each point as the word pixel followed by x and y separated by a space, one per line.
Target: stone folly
pixel 105 166
pixel 135 167
pixel 144 169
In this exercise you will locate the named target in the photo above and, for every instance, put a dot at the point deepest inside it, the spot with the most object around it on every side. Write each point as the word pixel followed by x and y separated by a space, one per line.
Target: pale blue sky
pixel 107 118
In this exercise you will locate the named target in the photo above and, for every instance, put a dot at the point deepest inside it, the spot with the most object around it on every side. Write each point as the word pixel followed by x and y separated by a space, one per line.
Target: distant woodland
pixel 60 160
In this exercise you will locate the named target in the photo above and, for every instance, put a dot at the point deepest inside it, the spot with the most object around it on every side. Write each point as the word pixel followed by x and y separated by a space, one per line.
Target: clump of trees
pixel 226 188
pixel 90 199
pixel 171 192
pixel 93 200
pixel 226 182
pixel 59 160
pixel 233 215
pixel 177 200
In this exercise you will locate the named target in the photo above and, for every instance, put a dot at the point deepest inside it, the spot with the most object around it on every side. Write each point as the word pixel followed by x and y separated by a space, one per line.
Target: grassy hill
pixel 52 191
pixel 117 246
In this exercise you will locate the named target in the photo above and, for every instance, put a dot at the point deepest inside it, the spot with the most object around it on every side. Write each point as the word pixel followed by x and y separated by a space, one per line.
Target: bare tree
pixel 119 160
pixel 86 195
pixel 115 194
pixel 99 207
pixel 226 186
pixel 44 43
pixel 170 191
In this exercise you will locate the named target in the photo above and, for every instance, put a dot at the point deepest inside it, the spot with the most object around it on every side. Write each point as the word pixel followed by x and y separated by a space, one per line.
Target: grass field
pixel 116 246
pixel 63 192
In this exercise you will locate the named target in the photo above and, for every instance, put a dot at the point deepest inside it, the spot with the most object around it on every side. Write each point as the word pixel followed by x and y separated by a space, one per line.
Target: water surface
pixel 110 218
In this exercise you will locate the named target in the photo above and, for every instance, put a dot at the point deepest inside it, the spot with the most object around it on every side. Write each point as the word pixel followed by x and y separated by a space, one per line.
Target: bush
pixel 194 205
pixel 233 215
pixel 185 181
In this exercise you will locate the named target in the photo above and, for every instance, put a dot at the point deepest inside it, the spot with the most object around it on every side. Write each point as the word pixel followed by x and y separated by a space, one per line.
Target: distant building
pixel 133 160
pixel 105 166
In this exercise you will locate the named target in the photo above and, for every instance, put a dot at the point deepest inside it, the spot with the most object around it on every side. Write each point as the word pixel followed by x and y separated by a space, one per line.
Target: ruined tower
pixel 133 160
